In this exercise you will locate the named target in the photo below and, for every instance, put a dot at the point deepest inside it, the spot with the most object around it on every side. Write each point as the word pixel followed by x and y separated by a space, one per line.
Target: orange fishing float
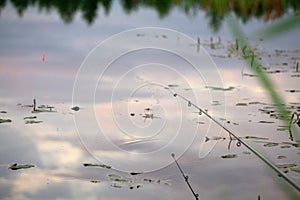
pixel 43 56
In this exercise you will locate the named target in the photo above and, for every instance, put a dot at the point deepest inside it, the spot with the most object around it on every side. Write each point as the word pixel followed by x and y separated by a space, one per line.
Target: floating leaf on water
pixel 285 146
pixel 75 108
pixel 5 120
pixel 271 144
pixel 286 165
pixel 96 165
pixel 255 137
pixel 32 122
pixel 241 104
pixel 17 167
pixel 295 169
pixel 3 112
pixel 30 117
pixel 229 156
pixel 281 157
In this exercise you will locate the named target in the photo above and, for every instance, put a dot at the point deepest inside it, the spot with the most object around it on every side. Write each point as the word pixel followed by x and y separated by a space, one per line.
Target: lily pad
pixel 17 167
pixel 96 165
pixel 5 120
pixel 229 156
pixel 271 144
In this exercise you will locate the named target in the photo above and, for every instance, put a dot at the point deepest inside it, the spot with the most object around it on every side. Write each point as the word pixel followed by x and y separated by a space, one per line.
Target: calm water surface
pixel 128 118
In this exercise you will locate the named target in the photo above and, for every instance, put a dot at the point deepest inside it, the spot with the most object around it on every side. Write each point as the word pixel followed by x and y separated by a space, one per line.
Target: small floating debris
pixel 247 152
pixel 3 112
pixel 290 165
pixel 17 167
pixel 295 169
pixel 265 122
pixel 5 120
pixel 75 108
pixel 285 146
pixel 33 122
pixel 255 137
pixel 132 114
pixel 95 181
pixel 115 185
pixel 135 173
pixel 281 157
pixel 241 104
pixel 96 165
pixel 172 85
pixel 220 88
pixel 214 138
pixel 292 91
pixel 229 156
pixel 30 117
pixel 115 177
pixel 271 144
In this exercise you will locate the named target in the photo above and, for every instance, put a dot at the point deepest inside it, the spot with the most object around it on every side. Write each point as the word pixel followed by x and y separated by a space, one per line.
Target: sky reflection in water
pixel 54 146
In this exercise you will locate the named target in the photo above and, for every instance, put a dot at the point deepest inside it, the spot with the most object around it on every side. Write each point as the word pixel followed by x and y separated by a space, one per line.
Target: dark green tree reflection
pixel 215 10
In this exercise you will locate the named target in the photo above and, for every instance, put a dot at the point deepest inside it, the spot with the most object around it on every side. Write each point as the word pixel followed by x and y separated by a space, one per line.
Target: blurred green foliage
pixel 215 10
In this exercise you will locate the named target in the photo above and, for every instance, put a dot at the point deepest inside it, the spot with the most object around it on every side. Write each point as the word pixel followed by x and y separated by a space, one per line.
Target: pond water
pixel 114 100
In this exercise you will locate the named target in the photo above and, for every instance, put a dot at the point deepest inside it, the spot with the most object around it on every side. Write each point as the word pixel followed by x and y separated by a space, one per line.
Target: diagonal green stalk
pixel 266 82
